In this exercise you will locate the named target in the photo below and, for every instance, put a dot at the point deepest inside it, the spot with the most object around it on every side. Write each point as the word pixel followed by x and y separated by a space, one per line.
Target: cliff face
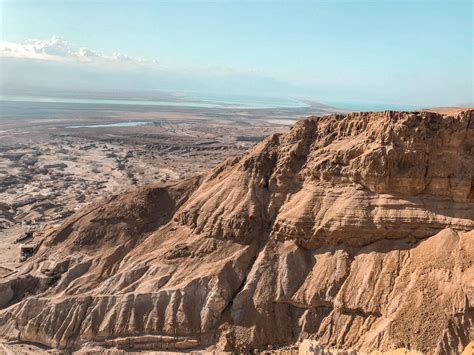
pixel 354 230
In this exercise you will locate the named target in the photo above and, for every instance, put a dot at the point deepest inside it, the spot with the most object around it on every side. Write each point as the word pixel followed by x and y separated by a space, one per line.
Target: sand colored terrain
pixel 56 158
pixel 49 169
pixel 353 230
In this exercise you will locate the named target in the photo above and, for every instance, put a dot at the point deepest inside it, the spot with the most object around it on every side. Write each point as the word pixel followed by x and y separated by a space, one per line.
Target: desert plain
pixel 184 236
pixel 57 157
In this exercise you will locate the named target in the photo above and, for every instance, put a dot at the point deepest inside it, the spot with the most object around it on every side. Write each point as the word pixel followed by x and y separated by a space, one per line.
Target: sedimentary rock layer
pixel 354 230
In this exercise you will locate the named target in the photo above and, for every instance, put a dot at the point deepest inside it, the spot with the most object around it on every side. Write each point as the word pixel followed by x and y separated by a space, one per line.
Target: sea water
pixel 218 101
pixel 187 100
pixel 117 124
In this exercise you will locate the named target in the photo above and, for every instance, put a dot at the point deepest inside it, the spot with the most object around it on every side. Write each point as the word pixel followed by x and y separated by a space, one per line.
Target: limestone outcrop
pixel 356 231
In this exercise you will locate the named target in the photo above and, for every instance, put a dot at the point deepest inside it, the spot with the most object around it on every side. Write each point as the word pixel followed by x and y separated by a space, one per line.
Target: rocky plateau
pixel 354 230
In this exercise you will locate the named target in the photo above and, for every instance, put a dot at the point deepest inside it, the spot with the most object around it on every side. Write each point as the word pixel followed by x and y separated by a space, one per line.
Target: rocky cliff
pixel 355 230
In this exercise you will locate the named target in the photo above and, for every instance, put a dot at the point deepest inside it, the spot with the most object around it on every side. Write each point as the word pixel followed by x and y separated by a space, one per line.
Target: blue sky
pixel 406 52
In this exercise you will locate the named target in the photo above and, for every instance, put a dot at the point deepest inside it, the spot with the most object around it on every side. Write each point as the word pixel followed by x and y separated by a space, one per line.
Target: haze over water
pixel 209 101
pixel 360 55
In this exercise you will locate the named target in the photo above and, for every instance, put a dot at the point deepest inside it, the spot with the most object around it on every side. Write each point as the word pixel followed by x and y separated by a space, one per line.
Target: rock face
pixel 356 231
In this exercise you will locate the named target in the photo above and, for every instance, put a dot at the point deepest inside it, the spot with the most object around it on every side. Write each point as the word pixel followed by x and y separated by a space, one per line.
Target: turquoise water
pixel 220 101
pixel 189 100
pixel 246 100
pixel 118 124
pixel 71 100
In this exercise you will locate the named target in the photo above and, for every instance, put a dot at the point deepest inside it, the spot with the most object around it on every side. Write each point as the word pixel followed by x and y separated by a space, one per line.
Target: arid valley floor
pixel 48 170
pixel 236 230
pixel 51 165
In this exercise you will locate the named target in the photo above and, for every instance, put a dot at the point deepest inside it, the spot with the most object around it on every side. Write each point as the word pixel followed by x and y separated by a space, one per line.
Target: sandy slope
pixel 353 230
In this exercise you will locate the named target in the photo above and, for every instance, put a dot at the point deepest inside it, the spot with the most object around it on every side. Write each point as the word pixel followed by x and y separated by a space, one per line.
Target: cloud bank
pixel 58 49
pixel 37 67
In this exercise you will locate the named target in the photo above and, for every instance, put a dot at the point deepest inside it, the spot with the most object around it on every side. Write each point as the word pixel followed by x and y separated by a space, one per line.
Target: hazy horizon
pixel 412 53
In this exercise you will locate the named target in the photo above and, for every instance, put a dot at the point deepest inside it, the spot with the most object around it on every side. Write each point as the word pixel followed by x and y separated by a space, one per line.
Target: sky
pixel 399 52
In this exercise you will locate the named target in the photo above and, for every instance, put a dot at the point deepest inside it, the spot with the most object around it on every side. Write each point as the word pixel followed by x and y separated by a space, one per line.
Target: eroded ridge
pixel 354 230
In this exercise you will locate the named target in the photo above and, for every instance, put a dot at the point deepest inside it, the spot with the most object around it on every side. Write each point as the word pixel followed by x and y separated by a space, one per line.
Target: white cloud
pixel 59 49
pixel 37 65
